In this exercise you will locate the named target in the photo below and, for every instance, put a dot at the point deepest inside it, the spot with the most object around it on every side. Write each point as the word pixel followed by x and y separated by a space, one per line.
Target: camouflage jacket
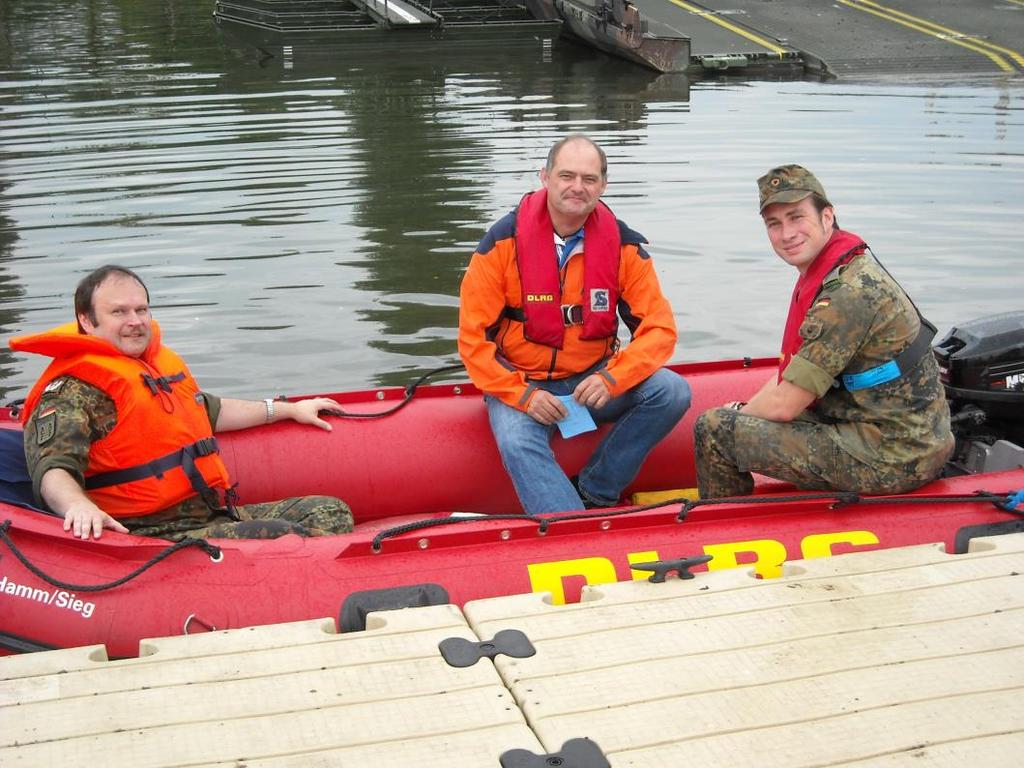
pixel 70 417
pixel 860 320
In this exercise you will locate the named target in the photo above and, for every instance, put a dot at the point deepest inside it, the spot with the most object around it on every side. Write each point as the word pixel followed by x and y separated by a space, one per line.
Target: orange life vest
pixel 162 450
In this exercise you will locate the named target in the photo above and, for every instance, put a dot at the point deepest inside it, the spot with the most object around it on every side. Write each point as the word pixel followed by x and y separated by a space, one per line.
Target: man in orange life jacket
pixel 538 320
pixel 857 404
pixel 119 436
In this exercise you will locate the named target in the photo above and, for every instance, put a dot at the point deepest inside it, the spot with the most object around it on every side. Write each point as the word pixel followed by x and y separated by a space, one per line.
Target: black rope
pixel 430 522
pixel 542 522
pixel 210 549
pixel 841 499
pixel 410 390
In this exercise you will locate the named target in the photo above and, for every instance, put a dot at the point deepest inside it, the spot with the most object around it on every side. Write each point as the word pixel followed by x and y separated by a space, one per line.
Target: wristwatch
pixel 269 402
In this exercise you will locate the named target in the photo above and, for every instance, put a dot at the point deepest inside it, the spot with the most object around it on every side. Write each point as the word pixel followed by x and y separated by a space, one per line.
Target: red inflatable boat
pixel 437 521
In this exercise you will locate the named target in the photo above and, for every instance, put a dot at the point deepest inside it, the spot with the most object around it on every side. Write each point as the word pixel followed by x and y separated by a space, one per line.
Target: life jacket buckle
pixel 162 383
pixel 205 447
pixel 572 314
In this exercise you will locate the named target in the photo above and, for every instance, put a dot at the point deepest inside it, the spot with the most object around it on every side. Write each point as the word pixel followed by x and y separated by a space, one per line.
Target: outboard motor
pixel 981 364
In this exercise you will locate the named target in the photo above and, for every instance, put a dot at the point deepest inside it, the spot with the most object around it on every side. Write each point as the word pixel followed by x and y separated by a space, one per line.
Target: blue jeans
pixel 642 416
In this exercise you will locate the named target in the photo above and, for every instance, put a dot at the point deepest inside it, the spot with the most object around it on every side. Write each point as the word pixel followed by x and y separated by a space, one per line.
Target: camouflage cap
pixel 788 184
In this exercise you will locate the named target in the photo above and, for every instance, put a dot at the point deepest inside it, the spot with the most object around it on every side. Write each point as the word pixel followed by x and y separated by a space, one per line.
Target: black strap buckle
pixel 161 382
pixel 205 447
pixel 572 314
pixel 183 457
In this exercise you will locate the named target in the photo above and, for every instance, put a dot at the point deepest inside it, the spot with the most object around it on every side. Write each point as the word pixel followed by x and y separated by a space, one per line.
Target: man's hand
pixel 546 408
pixel 592 392
pixel 61 491
pixel 83 517
pixel 241 414
pixel 308 411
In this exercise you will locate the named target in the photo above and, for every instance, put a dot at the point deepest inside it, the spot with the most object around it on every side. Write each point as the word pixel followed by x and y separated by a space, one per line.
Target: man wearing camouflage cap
pixel 857 404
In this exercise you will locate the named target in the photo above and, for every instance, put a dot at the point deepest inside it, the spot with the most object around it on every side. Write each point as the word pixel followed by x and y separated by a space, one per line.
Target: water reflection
pixel 429 137
pixel 303 217
pixel 11 293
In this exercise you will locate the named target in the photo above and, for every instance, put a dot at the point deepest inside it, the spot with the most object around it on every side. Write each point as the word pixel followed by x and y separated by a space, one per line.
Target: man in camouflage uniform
pixel 857 404
pixel 72 415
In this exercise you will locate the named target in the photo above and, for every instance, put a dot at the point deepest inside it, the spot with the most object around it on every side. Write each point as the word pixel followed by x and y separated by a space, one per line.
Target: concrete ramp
pixel 863 37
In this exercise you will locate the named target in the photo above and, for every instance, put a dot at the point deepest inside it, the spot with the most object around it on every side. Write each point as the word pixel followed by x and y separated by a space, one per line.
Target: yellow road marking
pixel 773 47
pixel 937 31
pixel 946 30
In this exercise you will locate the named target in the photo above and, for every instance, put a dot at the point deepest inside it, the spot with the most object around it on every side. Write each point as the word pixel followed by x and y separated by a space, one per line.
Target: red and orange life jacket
pixel 545 316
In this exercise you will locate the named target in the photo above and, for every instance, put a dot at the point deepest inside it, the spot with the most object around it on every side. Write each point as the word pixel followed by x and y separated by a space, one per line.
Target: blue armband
pixel 872 377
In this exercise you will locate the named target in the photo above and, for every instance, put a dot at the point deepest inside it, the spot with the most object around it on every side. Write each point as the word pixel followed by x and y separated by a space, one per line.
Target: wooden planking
pixel 735 610
pixel 864 737
pixel 296 647
pixel 470 749
pixel 825 657
pixel 773 704
pixel 378 693
pixel 855 658
pixel 988 751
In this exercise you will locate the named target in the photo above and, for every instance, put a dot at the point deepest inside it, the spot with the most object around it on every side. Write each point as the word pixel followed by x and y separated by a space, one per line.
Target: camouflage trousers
pixel 192 518
pixel 729 445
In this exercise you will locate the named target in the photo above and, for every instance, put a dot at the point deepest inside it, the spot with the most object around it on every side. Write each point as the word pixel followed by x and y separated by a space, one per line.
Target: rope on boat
pixel 542 521
pixel 417 525
pixel 410 390
pixel 204 545
pixel 1005 502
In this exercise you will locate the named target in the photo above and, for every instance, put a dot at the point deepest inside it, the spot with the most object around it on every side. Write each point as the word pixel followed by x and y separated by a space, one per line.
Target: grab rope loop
pixel 213 551
pixel 410 390
pixel 840 499
pixel 542 522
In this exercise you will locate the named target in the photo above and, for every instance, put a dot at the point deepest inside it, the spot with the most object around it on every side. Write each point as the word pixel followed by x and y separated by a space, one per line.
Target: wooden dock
pixel 901 657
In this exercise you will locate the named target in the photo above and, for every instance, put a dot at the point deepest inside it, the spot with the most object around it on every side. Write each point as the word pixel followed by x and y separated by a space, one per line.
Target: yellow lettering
pixel 641 557
pixel 768 556
pixel 820 544
pixel 547 577
pixel 765 555
pixel 540 297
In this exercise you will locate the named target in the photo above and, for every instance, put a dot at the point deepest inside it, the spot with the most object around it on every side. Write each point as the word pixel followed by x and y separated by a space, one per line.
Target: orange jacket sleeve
pixel 648 315
pixel 482 300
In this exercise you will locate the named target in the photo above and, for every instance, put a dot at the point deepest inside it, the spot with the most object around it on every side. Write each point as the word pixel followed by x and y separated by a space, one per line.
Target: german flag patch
pixel 46 425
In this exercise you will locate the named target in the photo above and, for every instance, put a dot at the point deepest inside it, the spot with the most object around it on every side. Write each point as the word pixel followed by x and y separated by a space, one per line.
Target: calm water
pixel 303 223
